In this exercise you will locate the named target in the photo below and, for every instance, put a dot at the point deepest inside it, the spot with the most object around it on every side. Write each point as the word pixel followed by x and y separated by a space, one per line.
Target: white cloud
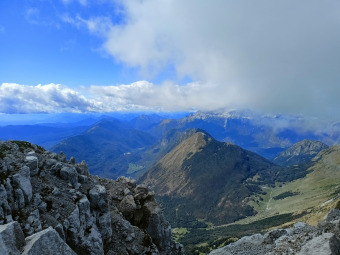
pixel 168 96
pixel 82 2
pixel 32 15
pixel 137 96
pixel 15 98
pixel 272 55
pixel 142 95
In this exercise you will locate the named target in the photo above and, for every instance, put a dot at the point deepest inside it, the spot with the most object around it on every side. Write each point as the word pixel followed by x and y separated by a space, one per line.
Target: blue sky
pixel 37 47
pixel 169 55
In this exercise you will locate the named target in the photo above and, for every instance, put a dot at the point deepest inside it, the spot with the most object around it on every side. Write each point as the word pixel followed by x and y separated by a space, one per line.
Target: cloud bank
pixel 15 98
pixel 271 55
pixel 138 96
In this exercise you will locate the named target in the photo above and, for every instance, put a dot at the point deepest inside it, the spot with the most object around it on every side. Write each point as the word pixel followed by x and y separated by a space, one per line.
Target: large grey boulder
pixel 333 214
pixel 5 209
pixel 247 245
pixel 32 162
pixel 97 197
pixel 326 244
pixel 104 225
pixel 82 168
pixel 46 242
pixel 84 213
pixel 69 174
pixel 19 199
pixel 23 181
pixel 128 207
pixel 93 244
pixel 11 239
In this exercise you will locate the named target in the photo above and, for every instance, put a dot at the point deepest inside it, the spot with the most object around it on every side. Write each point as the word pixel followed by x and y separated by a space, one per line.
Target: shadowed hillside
pixel 108 147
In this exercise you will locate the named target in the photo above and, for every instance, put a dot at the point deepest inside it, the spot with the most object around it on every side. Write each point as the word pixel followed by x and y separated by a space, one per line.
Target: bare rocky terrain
pixel 300 152
pixel 49 205
pixel 301 239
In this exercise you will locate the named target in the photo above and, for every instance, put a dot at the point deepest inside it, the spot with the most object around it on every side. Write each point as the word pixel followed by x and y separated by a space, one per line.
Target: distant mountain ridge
pixel 107 146
pixel 46 136
pixel 300 152
pixel 144 122
pixel 266 135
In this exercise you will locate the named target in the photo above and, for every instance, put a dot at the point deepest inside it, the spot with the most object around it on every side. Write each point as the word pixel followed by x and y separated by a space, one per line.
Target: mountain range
pixel 217 175
pixel 266 135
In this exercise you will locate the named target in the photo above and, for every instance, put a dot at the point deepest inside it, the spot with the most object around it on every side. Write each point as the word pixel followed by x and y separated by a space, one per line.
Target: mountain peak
pixel 205 178
pixel 302 151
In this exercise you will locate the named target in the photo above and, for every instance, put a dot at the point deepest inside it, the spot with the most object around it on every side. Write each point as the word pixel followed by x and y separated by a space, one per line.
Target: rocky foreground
pixel 49 205
pixel 302 239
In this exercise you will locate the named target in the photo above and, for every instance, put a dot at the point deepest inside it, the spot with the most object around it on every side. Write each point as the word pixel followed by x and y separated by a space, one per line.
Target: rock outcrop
pixel 45 199
pixel 300 152
pixel 302 239
pixel 47 241
pixel 12 238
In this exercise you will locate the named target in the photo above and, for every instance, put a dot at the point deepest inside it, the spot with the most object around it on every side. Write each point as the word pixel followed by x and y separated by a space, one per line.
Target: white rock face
pixel 11 239
pixel 32 163
pixel 326 244
pixel 23 181
pixel 46 242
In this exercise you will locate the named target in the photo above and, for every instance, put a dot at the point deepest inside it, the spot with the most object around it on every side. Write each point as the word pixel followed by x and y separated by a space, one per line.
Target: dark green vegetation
pixel 22 147
pixel 26 145
pixel 214 181
pixel 108 147
pixel 285 194
pixel 219 236
pixel 3 149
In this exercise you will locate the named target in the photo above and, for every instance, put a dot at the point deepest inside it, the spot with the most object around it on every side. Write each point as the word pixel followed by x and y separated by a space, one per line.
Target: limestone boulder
pixel 23 181
pixel 46 242
pixel 326 244
pixel 70 174
pixel 32 163
pixel 98 198
pixel 12 239
pixel 128 206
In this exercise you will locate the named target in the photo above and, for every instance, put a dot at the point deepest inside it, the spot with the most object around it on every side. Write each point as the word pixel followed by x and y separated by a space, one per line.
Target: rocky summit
pixel 301 239
pixel 300 152
pixel 49 205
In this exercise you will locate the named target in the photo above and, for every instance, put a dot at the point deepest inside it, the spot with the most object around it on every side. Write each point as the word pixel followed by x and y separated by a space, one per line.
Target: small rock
pixel 42 207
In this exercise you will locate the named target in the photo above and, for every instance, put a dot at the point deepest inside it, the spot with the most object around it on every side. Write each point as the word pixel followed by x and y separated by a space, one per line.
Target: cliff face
pixel 53 205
